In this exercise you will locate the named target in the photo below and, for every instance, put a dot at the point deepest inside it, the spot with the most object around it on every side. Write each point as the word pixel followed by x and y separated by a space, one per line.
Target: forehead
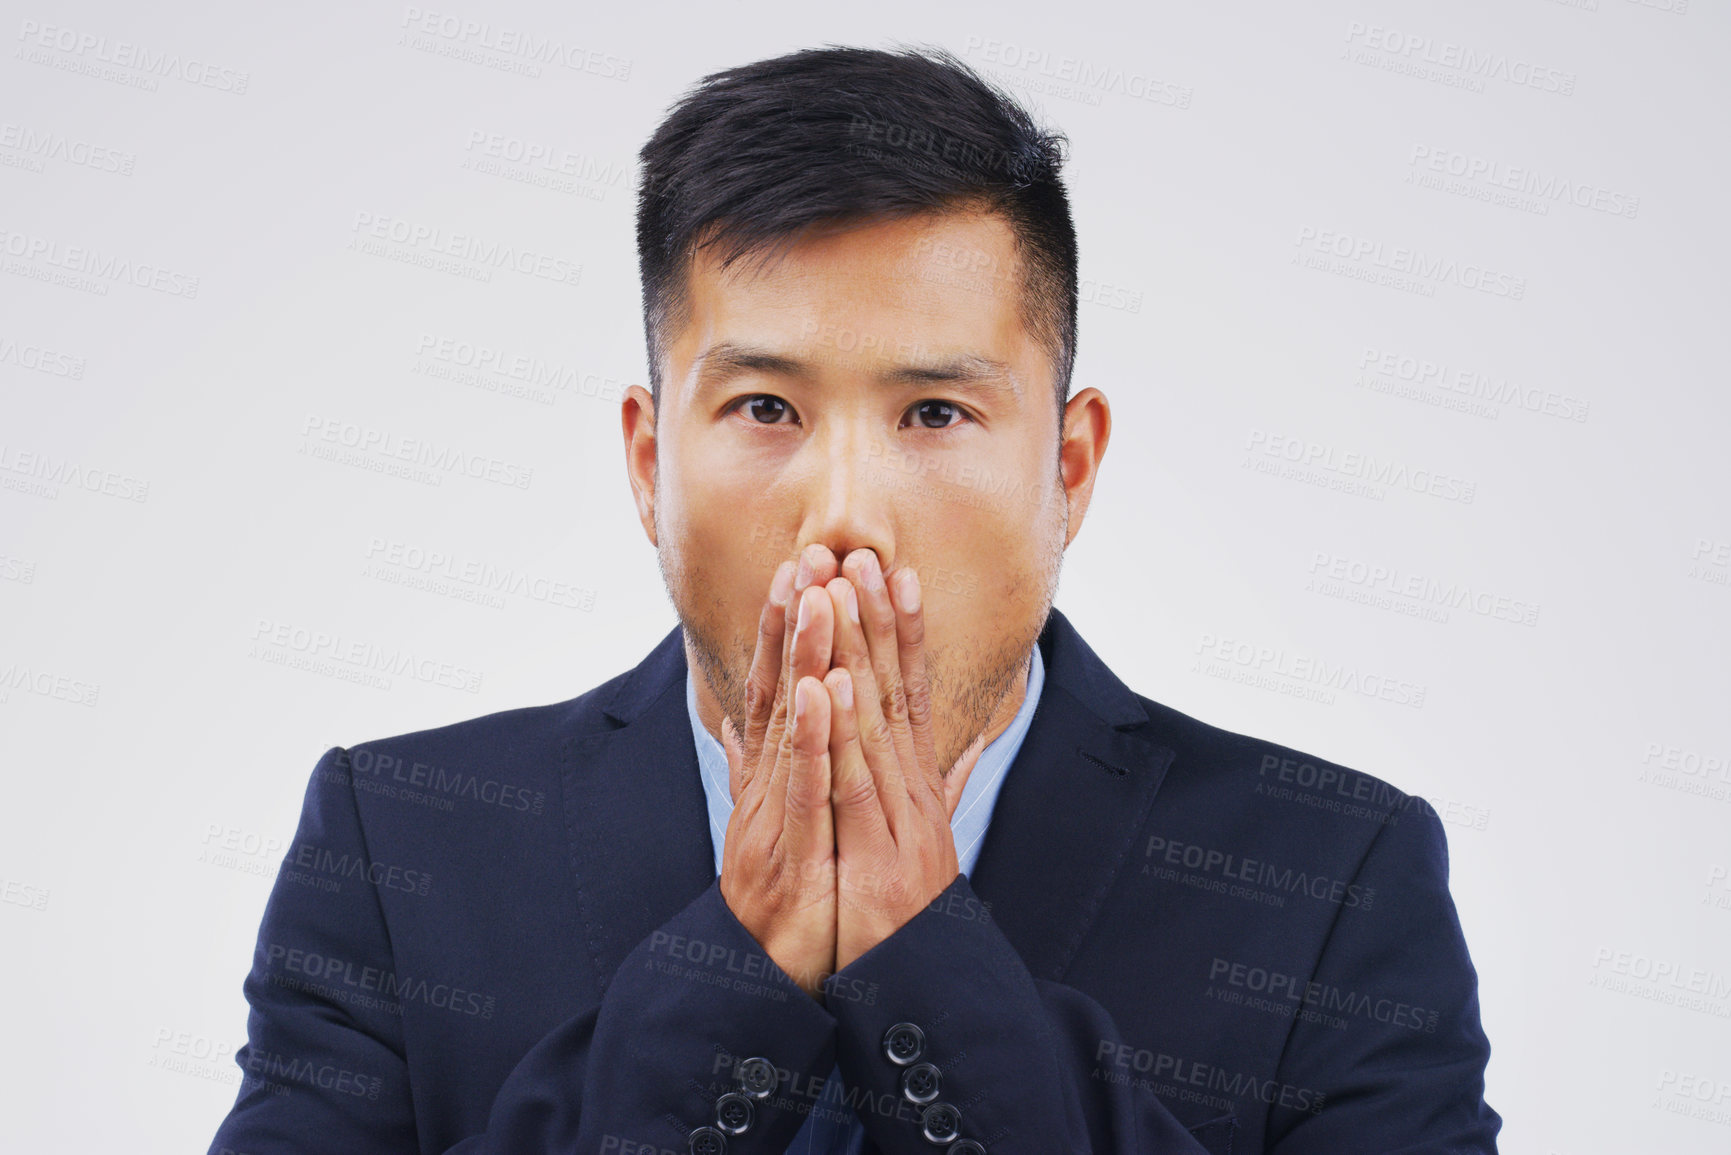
pixel 933 286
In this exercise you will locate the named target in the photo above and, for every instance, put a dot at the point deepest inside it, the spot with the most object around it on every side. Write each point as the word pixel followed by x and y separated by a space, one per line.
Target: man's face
pixel 818 399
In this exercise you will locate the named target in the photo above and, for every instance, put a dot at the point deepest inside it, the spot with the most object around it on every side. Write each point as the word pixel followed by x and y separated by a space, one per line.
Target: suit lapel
pixel 1070 807
pixel 635 814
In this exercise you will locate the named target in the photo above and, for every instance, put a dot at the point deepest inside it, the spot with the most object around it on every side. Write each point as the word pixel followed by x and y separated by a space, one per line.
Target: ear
pixel 1087 429
pixel 637 421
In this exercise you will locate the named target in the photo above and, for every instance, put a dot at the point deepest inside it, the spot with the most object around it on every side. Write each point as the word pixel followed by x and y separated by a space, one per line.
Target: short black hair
pixel 750 157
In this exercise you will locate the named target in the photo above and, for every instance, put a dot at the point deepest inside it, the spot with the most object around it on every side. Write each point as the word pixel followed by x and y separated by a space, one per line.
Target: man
pixel 963 890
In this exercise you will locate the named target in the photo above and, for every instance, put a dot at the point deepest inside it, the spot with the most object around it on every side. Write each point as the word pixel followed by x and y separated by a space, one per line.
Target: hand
pixel 778 867
pixel 892 804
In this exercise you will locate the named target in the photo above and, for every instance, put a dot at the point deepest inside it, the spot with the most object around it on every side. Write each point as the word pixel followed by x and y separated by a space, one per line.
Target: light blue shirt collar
pixel 973 812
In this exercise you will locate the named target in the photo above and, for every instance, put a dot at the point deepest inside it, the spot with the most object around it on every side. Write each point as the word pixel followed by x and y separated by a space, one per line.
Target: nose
pixel 849 496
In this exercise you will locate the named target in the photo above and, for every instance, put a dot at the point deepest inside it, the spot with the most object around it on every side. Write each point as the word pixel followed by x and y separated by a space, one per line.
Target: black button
pixel 965 1147
pixel 920 1083
pixel 940 1123
pixel 757 1077
pixel 706 1141
pixel 903 1043
pixel 733 1113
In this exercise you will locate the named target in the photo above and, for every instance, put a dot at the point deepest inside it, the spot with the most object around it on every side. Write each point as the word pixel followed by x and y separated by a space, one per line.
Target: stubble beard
pixel 726 661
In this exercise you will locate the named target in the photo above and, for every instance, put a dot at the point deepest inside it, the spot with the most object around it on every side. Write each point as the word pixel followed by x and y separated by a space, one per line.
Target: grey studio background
pixel 1411 316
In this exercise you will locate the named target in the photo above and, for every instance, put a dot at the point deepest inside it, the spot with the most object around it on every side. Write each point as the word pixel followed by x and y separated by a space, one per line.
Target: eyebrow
pixel 726 360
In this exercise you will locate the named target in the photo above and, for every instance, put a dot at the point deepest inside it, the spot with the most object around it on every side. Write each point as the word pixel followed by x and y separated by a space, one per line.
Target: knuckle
pixel 855 791
pixel 893 700
pixel 891 894
pixel 773 881
pixel 803 794
pixel 877 732
pixel 749 856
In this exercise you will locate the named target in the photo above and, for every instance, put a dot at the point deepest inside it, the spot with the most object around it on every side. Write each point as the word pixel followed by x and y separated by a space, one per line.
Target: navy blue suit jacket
pixel 506 936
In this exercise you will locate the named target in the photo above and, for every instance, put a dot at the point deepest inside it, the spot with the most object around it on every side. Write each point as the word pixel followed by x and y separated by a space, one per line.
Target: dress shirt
pixel 833 1128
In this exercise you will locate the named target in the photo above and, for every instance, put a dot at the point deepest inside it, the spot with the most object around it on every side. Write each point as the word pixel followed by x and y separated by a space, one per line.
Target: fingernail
pixel 804 613
pixel 782 586
pixel 910 591
pixel 844 689
pixel 803 578
pixel 798 702
pixel 853 605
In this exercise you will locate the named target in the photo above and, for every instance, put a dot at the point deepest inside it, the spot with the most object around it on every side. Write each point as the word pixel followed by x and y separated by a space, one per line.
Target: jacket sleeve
pixel 1392 1033
pixel 963 1043
pixel 325 1066
pixel 690 1017
pixel 1027 1065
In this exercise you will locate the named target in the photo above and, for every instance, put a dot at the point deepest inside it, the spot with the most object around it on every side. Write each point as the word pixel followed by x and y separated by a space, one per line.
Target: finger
pixel 807 834
pixel 809 656
pixel 860 827
pixel 774 745
pixel 813 634
pixel 747 802
pixel 878 620
pixel 760 684
pixel 814 565
pixel 911 650
pixel 877 745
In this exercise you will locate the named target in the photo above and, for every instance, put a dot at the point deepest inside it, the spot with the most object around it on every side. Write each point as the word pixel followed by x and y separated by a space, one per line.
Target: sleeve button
pixel 920 1083
pixel 903 1043
pixel 941 1123
pixel 965 1147
pixel 706 1141
pixel 733 1113
pixel 757 1077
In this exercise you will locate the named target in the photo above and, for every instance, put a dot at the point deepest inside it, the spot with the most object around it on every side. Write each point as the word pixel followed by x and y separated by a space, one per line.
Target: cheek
pixel 726 517
pixel 987 559
pixel 966 583
pixel 708 563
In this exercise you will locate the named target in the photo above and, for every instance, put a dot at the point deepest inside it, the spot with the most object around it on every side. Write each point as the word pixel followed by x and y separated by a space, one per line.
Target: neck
pixel 708 708
pixel 1011 704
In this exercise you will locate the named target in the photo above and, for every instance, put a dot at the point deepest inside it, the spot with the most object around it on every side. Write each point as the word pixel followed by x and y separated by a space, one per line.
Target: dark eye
pixel 934 414
pixel 764 408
